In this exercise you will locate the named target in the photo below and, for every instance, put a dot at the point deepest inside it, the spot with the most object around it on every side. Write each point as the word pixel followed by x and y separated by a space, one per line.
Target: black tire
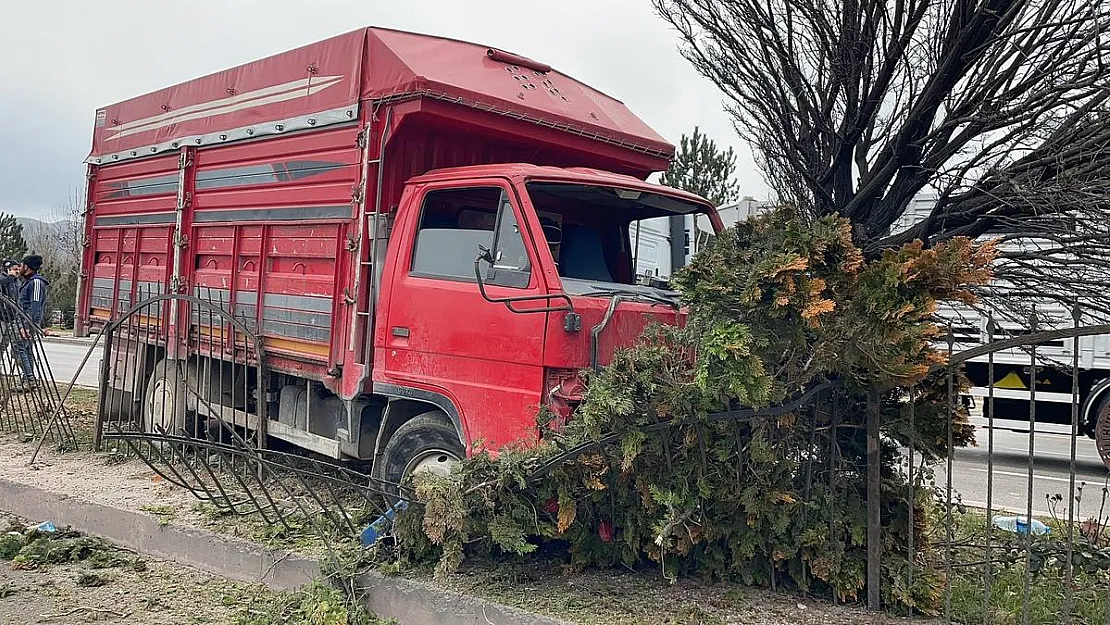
pixel 429 437
pixel 168 380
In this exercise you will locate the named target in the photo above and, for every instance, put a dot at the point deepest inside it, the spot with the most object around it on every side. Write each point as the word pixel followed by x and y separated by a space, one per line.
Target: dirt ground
pixel 163 595
pixel 142 592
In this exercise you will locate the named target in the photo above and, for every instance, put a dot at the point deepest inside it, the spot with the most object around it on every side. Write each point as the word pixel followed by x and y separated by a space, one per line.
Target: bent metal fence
pixel 29 397
pixel 1013 530
pixel 185 388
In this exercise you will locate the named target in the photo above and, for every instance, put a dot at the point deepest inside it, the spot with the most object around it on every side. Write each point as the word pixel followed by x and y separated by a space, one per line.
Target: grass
pixel 164 513
pixel 315 604
pixel 81 407
pixel 1048 589
pixel 296 537
pixel 541 585
pixel 1046 599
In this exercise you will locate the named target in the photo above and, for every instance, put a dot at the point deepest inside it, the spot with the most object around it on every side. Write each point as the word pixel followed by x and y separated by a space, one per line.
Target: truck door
pixel 442 336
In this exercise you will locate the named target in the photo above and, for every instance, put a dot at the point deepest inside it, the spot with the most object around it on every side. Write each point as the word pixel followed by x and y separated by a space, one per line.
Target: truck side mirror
pixel 485 254
pixel 571 323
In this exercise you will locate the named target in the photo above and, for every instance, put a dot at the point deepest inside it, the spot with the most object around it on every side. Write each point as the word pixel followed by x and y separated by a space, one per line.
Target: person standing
pixel 9 298
pixel 32 301
pixel 9 280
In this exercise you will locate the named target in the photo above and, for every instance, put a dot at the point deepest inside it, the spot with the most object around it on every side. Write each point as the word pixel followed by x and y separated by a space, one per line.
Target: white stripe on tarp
pixel 232 104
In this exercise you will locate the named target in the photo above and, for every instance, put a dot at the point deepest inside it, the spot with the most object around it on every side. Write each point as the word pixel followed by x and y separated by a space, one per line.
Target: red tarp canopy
pixel 326 83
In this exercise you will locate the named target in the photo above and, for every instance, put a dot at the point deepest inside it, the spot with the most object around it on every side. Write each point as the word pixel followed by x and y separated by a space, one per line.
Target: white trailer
pixel 1010 371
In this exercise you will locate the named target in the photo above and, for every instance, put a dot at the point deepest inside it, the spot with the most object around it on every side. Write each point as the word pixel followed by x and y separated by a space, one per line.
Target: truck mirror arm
pixel 573 321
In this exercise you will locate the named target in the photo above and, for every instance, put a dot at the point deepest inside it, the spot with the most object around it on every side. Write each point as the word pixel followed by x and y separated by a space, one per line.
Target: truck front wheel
pixel 425 443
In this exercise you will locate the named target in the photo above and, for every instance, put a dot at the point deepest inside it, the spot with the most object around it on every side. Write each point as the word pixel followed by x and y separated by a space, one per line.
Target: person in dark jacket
pixel 33 292
pixel 9 297
pixel 32 301
pixel 9 280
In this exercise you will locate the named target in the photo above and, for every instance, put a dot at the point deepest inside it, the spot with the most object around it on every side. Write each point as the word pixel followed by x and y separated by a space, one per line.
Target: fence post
pixel 874 510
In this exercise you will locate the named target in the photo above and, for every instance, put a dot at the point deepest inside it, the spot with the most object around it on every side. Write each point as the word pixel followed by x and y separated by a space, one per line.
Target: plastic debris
pixel 378 528
pixel 45 527
pixel 1020 525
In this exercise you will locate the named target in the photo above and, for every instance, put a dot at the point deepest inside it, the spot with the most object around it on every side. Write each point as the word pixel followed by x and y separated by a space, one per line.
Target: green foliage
pixel 33 550
pixel 701 167
pixel 10 545
pixel 315 604
pixel 775 307
pixel 12 244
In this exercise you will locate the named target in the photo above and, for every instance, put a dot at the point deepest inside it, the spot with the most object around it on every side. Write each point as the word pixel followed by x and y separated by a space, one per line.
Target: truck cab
pixel 505 281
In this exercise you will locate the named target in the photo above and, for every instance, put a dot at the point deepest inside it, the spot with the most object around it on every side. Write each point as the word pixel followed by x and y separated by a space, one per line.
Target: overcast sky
pixel 64 58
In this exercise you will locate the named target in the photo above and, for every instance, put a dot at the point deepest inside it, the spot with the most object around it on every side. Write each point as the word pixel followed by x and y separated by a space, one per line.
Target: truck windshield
pixel 603 236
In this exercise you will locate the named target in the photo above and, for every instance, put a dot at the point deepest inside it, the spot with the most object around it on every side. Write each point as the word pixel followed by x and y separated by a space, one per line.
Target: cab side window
pixel 456 223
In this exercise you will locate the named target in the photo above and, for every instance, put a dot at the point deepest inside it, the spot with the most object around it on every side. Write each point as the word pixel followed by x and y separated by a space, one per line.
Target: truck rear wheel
pixel 164 409
pixel 425 443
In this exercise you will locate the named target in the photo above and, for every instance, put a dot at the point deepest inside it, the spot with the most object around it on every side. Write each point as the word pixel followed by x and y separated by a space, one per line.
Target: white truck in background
pixel 1013 369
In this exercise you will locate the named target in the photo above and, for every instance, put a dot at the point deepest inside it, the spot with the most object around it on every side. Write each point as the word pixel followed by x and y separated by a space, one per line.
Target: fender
pixel 439 400
pixel 1092 402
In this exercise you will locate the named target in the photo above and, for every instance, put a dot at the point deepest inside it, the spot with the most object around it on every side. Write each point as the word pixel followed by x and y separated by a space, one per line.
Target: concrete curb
pixel 410 602
pixel 85 342
pixel 223 555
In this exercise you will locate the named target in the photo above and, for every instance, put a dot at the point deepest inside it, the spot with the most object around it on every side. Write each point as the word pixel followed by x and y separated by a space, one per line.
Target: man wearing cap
pixel 9 280
pixel 32 301
pixel 9 296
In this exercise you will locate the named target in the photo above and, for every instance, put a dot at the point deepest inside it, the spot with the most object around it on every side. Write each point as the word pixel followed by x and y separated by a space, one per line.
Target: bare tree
pixel 59 239
pixel 1000 108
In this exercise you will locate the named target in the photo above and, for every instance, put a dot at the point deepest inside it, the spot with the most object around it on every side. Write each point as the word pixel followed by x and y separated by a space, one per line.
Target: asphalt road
pixel 1009 471
pixel 65 358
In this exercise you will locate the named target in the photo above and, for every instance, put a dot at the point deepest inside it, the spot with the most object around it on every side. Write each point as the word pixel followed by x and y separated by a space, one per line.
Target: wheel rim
pixel 434 461
pixel 162 407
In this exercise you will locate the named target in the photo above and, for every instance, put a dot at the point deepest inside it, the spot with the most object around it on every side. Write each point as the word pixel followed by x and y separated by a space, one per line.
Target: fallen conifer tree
pixel 734 448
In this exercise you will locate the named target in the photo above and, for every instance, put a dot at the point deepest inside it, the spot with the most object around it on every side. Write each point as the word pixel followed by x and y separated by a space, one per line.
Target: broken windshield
pixel 605 237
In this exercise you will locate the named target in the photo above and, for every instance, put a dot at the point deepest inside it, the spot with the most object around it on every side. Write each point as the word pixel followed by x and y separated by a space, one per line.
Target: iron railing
pixel 203 427
pixel 29 398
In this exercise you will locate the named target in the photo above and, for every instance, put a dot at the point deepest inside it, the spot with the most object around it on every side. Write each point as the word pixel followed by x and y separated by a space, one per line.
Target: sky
pixel 65 58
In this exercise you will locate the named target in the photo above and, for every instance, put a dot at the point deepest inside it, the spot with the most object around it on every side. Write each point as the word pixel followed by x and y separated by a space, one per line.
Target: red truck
pixel 430 238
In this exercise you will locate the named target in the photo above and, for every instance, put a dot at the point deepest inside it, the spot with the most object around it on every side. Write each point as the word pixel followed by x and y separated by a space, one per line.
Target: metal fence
pixel 29 398
pixel 1026 514
pixel 993 526
pixel 184 388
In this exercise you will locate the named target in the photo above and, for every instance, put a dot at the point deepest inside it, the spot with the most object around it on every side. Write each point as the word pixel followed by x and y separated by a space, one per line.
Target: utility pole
pixel 678 242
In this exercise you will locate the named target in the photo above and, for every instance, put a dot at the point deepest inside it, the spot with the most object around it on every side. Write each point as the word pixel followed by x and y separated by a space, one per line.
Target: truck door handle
pixel 398 331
